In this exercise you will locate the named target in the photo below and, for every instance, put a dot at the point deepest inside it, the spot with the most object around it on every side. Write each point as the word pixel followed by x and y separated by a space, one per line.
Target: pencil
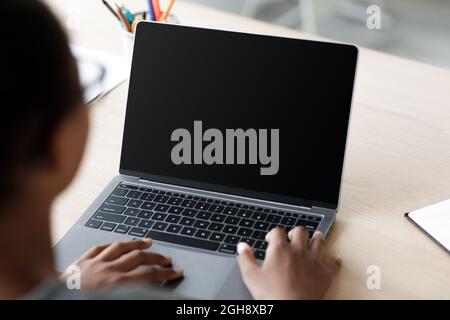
pixel 124 20
pixel 156 9
pixel 166 13
pixel 107 5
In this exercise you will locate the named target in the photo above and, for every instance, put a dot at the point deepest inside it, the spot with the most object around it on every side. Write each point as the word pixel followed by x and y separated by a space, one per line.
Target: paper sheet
pixel 435 220
pixel 116 68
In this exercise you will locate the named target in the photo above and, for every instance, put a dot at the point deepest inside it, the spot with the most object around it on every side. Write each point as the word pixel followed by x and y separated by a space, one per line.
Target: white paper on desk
pixel 117 70
pixel 435 220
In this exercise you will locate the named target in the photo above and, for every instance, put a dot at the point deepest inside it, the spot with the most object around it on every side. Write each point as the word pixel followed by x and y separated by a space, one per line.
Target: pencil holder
pixel 128 37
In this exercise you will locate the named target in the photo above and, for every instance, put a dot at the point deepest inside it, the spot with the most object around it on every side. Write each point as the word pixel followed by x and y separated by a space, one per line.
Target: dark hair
pixel 39 87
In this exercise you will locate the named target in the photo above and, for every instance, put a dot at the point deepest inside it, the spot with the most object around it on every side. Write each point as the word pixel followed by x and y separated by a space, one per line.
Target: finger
pixel 152 274
pixel 334 264
pixel 93 252
pixel 136 258
pixel 299 237
pixel 318 243
pixel 276 238
pixel 118 249
pixel 247 264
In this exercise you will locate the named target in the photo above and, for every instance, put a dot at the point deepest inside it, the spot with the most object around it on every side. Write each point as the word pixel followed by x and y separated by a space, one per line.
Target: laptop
pixel 227 135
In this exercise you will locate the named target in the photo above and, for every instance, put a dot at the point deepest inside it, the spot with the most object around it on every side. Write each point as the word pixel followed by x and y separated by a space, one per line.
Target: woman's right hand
pixel 115 264
pixel 290 270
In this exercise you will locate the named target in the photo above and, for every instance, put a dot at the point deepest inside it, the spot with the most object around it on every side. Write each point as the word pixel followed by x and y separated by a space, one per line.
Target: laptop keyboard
pixel 199 222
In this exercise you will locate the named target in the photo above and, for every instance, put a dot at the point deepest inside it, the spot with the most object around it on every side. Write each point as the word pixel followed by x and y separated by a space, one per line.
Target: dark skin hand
pixel 291 269
pixel 110 265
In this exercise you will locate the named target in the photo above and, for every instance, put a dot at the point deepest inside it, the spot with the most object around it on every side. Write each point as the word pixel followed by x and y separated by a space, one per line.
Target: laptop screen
pixel 251 115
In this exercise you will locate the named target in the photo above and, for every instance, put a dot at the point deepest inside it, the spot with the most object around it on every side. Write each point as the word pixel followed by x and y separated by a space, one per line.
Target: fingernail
pixel 180 271
pixel 290 233
pixel 169 259
pixel 317 234
pixel 241 247
pixel 147 240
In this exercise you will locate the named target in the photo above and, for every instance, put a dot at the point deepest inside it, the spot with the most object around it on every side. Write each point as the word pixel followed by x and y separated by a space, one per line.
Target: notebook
pixel 434 220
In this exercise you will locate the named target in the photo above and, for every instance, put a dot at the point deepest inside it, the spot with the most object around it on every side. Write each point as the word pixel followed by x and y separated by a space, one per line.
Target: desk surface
pixel 398 157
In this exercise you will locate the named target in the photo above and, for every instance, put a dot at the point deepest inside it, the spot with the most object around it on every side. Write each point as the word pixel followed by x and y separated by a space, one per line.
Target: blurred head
pixel 44 123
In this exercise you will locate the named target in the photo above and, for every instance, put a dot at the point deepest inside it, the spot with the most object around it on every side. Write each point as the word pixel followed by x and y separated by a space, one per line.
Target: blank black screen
pixel 232 80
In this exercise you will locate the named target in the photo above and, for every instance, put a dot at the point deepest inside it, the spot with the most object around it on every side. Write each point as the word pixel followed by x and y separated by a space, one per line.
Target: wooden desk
pixel 398 158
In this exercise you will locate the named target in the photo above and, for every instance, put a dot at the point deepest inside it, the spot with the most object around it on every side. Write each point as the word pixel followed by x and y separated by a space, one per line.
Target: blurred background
pixel 414 29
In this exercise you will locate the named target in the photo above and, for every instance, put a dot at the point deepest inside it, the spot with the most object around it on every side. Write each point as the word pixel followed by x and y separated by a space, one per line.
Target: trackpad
pixel 204 274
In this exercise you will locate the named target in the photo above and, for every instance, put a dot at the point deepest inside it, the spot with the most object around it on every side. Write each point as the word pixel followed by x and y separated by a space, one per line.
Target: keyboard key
pixel 249 241
pixel 202 206
pixel 121 228
pixel 261 245
pixel 260 254
pixel 161 199
pixel 111 208
pixel 187 231
pixel 307 224
pixel 272 218
pixel 120 192
pixel 228 248
pixel 189 212
pixel 216 208
pixel 204 215
pixel 218 218
pixel 175 210
pixel 145 189
pixel 172 218
pixel 188 203
pixel 104 216
pixel 173 228
pixel 259 235
pixel 137 232
pixel 217 237
pixel 259 216
pixel 244 232
pixel 94 224
pixel 230 229
pixel 186 241
pixel 243 213
pixel 146 224
pixel 160 226
pixel 288 221
pixel 215 226
pixel 231 211
pixel 201 224
pixel 174 201
pixel 314 218
pixel 117 200
pixel 148 205
pixel 203 234
pixel 134 203
pixel 108 226
pixel 246 223
pixel 261 226
pixel 134 194
pixel 128 186
pixel 147 196
pixel 161 207
pixel 232 220
pixel 159 216
pixel 187 221
pixel 162 192
pixel 145 214
pixel 232 239
pixel 132 221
